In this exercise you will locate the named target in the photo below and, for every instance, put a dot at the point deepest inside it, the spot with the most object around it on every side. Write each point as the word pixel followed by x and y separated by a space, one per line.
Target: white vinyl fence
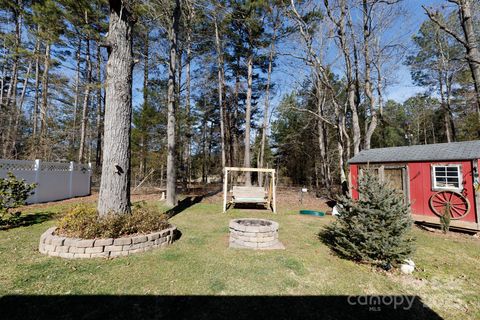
pixel 55 180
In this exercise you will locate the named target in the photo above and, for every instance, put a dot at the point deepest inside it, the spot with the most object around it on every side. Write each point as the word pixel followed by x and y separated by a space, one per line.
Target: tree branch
pixel 314 114
pixel 434 18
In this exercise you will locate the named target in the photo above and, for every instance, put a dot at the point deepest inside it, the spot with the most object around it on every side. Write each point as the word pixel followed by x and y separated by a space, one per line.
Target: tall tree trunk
pixel 146 71
pixel 442 78
pixel 36 86
pixel 86 104
pixel 188 129
pixel 19 113
pixel 77 92
pixel 171 166
pixel 114 196
pixel 188 122
pixel 472 46
pixel 446 121
pixel 322 136
pixel 236 153
pixel 11 103
pixel 372 123
pixel 266 108
pixel 204 150
pixel 220 72
pixel 44 105
pixel 99 121
pixel 248 110
pixel 344 46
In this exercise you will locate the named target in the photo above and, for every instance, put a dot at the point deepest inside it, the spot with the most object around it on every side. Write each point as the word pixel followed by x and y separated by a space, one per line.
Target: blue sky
pixel 290 72
pixel 401 88
pixel 416 15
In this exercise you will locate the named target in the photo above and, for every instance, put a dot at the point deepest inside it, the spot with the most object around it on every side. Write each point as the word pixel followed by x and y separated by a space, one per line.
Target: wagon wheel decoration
pixel 459 205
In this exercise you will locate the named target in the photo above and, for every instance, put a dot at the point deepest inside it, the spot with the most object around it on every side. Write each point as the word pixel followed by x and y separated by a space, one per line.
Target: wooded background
pixel 209 74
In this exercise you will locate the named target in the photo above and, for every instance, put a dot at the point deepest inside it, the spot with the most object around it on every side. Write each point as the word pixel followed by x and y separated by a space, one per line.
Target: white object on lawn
pixel 407 267
pixel 335 211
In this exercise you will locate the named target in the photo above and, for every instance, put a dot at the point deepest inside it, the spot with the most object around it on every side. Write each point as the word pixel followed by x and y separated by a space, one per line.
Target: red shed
pixel 430 176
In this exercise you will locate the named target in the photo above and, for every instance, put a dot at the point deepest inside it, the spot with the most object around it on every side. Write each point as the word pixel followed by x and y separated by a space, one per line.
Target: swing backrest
pixel 248 194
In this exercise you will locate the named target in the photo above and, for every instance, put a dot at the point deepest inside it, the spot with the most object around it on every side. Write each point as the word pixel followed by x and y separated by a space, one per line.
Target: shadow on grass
pixel 183 205
pixel 250 206
pixel 188 202
pixel 215 307
pixel 26 220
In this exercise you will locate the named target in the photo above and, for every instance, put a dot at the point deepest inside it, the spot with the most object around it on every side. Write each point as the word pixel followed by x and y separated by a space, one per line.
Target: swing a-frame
pixel 250 194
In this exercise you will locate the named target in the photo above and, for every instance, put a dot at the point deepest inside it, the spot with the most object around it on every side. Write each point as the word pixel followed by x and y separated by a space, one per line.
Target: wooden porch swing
pixel 250 194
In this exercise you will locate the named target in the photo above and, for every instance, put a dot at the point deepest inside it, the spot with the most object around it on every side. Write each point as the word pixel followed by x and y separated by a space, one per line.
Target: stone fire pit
pixel 252 233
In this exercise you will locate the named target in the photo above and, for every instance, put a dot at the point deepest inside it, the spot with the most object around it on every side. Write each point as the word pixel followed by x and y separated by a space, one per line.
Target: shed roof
pixel 466 150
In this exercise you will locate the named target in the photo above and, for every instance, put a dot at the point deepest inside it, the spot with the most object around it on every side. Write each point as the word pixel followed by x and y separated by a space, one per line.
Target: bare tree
pixel 86 103
pixel 44 105
pixel 323 76
pixel 341 34
pixel 368 85
pixel 468 40
pixel 77 92
pixel 221 84
pixel 266 110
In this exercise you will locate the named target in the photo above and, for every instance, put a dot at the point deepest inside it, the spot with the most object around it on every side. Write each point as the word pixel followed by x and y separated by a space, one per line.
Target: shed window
pixel 447 177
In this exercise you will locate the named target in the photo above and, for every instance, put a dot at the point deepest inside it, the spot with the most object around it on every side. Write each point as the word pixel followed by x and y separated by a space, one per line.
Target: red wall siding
pixel 354 180
pixel 421 187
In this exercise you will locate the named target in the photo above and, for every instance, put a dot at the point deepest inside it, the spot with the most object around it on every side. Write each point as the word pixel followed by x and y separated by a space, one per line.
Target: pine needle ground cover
pixel 200 263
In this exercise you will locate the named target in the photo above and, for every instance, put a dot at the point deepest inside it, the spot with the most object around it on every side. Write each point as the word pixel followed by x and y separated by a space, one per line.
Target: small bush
pixel 81 221
pixel 374 229
pixel 13 194
pixel 84 222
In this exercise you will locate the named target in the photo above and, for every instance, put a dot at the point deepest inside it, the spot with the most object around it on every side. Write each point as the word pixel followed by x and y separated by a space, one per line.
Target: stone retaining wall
pixel 70 248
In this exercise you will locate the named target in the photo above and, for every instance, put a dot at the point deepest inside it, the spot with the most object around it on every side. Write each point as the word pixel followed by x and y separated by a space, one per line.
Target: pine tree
pixel 375 228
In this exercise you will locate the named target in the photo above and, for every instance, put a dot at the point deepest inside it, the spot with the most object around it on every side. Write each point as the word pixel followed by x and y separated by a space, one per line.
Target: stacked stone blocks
pixel 70 248
pixel 254 234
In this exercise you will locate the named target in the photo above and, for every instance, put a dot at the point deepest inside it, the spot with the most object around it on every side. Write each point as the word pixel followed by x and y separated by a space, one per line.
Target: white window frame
pixel 459 176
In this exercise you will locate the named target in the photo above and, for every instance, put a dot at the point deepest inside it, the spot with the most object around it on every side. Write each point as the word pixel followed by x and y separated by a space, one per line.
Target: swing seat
pixel 242 194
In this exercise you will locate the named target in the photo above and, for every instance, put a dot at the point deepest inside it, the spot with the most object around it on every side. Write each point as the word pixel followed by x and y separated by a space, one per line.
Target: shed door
pixel 394 176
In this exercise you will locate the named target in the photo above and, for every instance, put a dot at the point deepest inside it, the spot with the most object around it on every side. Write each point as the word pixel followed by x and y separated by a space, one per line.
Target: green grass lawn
pixel 199 263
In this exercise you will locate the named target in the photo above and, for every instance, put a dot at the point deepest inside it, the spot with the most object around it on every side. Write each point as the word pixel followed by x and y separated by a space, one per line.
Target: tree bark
pixel 171 165
pixel 11 103
pixel 471 46
pixel 98 150
pixel 44 105
pixel 443 87
pixel 36 86
pixel 344 47
pixel 77 93
pixel 248 110
pixel 146 71
pixel 322 135
pixel 19 113
pixel 236 138
pixel 114 196
pixel 372 124
pixel 220 72
pixel 188 129
pixel 86 104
